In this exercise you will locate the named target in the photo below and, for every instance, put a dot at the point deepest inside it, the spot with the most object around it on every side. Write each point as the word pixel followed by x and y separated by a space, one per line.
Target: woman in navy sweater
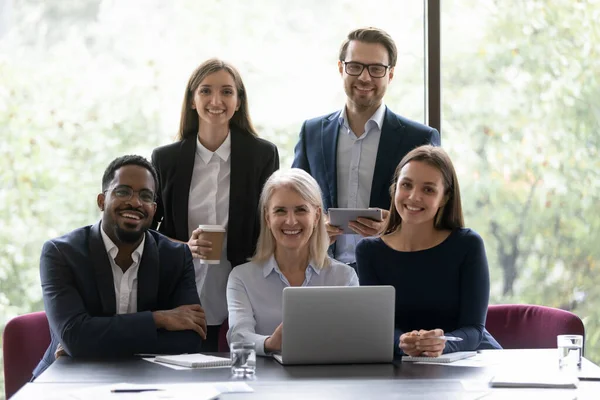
pixel 438 267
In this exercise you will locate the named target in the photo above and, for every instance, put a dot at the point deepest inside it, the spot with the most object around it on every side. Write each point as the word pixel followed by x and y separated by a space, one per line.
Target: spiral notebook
pixel 443 359
pixel 195 360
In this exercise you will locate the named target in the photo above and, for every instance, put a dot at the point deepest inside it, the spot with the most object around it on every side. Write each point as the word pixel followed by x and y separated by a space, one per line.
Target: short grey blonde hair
pixel 307 187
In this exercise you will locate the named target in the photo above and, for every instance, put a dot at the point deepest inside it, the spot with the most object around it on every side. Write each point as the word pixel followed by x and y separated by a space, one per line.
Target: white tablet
pixel 341 216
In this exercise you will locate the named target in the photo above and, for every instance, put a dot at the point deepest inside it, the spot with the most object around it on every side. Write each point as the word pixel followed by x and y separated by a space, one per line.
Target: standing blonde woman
pixel 291 251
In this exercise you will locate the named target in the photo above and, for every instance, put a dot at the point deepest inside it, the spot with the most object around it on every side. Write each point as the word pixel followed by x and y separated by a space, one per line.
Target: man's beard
pixel 129 236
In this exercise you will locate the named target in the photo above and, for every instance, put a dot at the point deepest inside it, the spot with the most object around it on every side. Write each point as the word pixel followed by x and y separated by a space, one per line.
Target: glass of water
pixel 569 351
pixel 243 360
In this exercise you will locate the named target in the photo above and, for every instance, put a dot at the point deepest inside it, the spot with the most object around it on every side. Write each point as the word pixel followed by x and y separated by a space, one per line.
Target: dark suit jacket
pixel 79 297
pixel 316 153
pixel 253 160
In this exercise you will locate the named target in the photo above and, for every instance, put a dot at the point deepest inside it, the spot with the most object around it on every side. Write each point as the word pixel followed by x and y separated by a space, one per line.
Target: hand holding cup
pixel 206 243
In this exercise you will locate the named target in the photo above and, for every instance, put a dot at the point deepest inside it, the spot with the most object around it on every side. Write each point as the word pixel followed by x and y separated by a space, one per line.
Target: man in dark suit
pixel 115 288
pixel 352 153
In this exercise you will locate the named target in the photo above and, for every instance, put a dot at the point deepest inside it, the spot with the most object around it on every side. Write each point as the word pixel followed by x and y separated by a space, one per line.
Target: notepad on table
pixel 195 360
pixel 443 359
pixel 540 379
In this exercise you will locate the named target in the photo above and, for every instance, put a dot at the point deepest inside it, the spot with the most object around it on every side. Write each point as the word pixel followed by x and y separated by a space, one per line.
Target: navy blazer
pixel 79 297
pixel 316 153
pixel 253 160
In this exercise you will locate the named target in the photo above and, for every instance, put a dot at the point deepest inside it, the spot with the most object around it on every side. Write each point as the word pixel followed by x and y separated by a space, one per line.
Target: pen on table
pixel 134 390
pixel 449 338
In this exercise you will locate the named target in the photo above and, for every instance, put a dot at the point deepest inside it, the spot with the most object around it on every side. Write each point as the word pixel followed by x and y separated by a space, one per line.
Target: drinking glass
pixel 243 360
pixel 569 351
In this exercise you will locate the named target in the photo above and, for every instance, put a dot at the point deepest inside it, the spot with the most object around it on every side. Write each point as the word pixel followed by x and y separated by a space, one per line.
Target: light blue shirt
pixel 356 157
pixel 255 292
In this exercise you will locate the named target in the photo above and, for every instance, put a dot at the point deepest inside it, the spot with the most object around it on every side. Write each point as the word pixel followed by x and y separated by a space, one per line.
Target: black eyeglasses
pixel 375 70
pixel 126 193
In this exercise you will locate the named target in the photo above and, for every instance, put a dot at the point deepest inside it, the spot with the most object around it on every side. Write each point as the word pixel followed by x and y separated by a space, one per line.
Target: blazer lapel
pixel 148 276
pixel 330 129
pixel 387 156
pixel 103 271
pixel 239 174
pixel 181 186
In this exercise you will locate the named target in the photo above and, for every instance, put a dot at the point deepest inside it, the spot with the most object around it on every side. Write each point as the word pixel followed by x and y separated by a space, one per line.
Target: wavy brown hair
pixel 450 215
pixel 189 124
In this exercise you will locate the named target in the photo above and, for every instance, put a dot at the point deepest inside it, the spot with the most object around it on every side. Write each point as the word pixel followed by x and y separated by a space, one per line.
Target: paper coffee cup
pixel 216 235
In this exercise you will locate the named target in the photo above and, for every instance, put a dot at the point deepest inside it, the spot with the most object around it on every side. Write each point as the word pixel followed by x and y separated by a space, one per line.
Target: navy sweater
pixel 445 287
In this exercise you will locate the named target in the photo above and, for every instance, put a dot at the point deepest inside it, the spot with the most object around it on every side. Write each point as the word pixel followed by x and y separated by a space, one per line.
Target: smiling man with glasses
pixel 116 288
pixel 353 153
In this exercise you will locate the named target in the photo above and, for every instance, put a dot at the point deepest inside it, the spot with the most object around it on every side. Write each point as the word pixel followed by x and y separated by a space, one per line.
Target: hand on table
pixel 408 343
pixel 423 343
pixel 182 318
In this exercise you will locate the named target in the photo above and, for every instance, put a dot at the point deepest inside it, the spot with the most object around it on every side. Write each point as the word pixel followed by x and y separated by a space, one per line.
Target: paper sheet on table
pixel 232 387
pixel 471 385
pixel 484 392
pixel 192 391
pixel 534 379
pixel 480 360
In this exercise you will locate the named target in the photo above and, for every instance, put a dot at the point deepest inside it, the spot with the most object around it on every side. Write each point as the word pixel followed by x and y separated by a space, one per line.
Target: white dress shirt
pixel 209 204
pixel 255 295
pixel 125 283
pixel 356 157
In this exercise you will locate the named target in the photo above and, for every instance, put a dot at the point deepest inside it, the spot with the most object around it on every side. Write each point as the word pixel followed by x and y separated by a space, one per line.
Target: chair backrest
pixel 524 326
pixel 24 342
pixel 223 346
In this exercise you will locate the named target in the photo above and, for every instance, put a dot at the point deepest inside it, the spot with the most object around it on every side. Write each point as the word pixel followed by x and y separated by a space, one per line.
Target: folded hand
pixel 186 317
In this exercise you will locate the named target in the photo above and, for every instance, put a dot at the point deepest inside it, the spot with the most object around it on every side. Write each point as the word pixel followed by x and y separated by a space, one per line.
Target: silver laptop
pixel 337 325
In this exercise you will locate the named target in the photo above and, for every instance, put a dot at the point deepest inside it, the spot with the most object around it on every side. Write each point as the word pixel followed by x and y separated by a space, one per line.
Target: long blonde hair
pixel 307 187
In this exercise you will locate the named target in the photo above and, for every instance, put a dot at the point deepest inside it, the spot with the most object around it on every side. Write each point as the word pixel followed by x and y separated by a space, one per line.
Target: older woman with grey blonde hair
pixel 291 251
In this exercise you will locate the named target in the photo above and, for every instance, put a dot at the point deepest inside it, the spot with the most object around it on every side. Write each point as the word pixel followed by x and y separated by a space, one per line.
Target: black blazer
pixel 316 153
pixel 79 297
pixel 253 160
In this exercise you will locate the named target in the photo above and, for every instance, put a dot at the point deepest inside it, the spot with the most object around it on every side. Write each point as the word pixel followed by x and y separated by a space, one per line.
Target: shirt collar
pixel 224 150
pixel 271 265
pixel 113 250
pixel 377 117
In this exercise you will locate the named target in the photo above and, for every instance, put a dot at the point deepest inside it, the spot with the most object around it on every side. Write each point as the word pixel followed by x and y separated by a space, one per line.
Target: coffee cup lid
pixel 212 228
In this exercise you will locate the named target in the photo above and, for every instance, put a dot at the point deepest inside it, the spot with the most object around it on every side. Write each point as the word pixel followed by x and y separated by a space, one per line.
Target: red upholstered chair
pixel 24 342
pixel 524 326
pixel 223 346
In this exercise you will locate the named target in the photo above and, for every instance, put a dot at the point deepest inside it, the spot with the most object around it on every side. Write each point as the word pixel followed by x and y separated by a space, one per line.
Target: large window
pixel 84 81
pixel 521 119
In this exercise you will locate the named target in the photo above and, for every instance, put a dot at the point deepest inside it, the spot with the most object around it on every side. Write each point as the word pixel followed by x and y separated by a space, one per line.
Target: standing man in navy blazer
pixel 352 153
pixel 115 288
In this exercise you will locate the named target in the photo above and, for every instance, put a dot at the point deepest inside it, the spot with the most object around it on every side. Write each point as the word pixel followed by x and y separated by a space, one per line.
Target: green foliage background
pixel 82 82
